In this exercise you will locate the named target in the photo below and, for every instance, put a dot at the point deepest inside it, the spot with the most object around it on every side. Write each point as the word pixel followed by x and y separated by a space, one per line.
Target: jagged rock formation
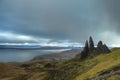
pixel 85 51
pixel 89 49
pixel 102 48
pixel 91 44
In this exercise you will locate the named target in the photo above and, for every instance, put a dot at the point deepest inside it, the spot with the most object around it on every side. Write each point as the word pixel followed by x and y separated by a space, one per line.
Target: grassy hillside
pixel 104 66
pixel 107 67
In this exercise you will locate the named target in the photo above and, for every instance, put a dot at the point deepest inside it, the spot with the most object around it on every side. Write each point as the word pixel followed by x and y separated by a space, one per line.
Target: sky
pixel 59 22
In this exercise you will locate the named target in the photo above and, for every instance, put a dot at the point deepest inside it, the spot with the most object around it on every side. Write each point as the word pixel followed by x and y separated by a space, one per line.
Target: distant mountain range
pixel 34 47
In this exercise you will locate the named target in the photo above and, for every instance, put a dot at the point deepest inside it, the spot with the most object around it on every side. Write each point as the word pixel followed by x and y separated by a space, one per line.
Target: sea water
pixel 14 55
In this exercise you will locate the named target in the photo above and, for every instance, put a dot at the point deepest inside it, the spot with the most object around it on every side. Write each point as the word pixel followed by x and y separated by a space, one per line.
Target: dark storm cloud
pixel 112 8
pixel 55 19
pixel 74 20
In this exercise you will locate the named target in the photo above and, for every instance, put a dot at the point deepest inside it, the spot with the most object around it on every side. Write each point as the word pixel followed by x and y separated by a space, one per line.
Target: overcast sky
pixel 59 21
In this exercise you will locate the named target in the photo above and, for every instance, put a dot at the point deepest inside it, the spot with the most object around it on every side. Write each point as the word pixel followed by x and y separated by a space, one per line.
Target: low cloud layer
pixel 59 20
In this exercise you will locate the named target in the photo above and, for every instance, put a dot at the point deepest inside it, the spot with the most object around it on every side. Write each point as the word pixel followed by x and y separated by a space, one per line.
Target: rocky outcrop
pixel 90 50
pixel 85 51
pixel 91 44
pixel 102 48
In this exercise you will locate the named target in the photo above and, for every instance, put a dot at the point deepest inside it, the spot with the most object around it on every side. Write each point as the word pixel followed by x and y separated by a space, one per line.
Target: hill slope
pixel 107 67
pixel 101 67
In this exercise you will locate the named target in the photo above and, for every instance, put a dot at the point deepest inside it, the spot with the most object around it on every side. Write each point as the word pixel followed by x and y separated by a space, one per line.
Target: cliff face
pixel 89 49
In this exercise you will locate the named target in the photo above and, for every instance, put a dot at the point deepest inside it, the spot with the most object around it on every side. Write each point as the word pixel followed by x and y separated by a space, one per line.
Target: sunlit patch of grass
pixel 105 62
